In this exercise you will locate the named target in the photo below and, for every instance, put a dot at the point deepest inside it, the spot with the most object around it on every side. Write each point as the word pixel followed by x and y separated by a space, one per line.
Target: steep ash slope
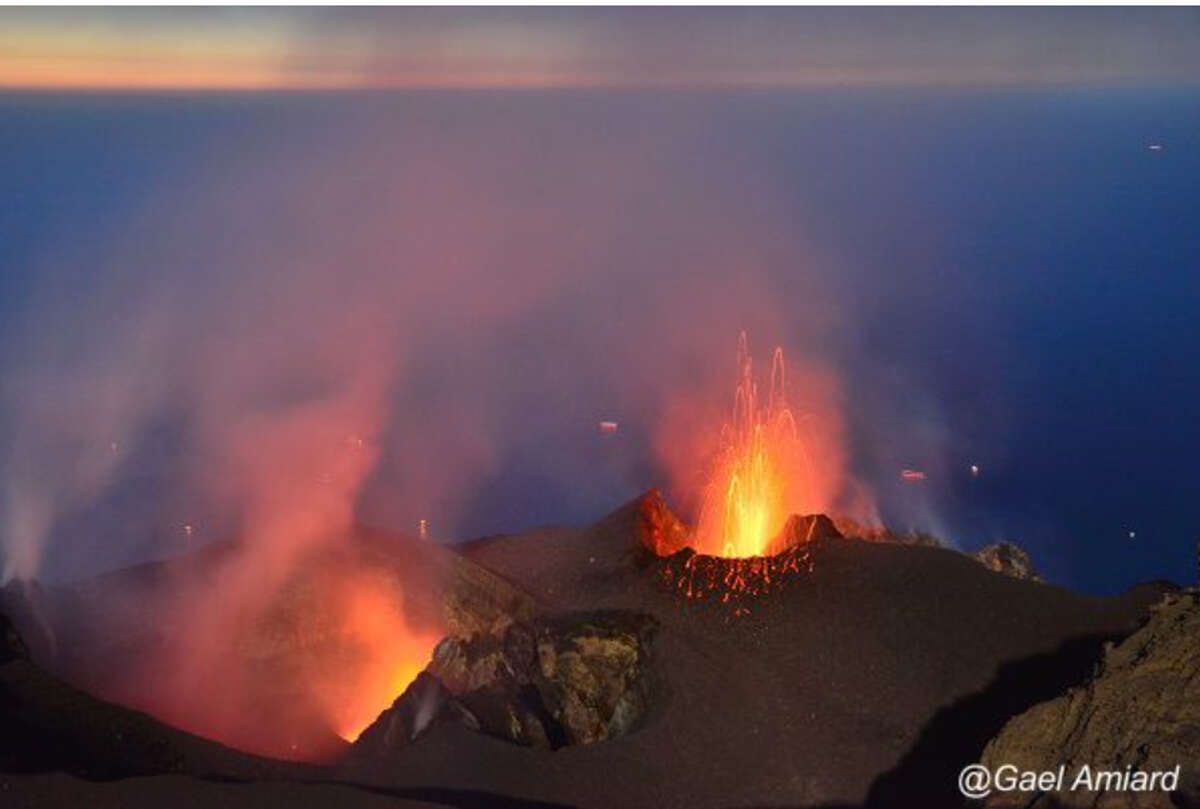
pixel 873 677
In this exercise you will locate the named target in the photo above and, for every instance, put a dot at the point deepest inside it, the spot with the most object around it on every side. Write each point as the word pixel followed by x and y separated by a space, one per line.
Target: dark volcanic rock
pixel 425 702
pixel 551 682
pixel 1142 709
pixel 11 645
pixel 592 675
pixel 801 529
pixel 48 725
pixel 1009 559
pixel 873 532
pixel 733 582
pixel 28 609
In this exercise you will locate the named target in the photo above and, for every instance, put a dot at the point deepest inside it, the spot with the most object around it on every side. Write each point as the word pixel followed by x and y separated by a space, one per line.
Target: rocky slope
pixel 100 634
pixel 871 679
pixel 550 682
pixel 1141 710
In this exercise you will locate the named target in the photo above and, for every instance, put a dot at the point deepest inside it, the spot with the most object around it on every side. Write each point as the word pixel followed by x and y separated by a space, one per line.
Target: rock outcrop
pixel 801 529
pixel 28 614
pixel 1009 559
pixel 549 682
pixel 1140 711
pixel 11 645
pixel 425 702
pixel 656 527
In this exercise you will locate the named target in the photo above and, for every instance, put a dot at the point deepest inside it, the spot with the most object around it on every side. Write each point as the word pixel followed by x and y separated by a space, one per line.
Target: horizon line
pixel 534 84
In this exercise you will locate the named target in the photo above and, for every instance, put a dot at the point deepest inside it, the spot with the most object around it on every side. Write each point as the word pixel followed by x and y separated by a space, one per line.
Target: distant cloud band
pixel 305 48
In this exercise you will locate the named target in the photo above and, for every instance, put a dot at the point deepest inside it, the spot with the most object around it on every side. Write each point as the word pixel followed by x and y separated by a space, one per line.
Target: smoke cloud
pixel 416 310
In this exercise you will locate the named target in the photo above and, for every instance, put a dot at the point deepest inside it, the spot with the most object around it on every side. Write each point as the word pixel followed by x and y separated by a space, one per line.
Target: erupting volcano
pixel 750 536
pixel 751 490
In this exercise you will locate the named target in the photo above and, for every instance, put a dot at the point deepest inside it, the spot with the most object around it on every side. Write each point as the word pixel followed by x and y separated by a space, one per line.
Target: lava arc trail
pixel 751 489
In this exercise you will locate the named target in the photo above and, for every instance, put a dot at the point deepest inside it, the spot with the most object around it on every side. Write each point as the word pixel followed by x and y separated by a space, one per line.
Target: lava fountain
pixel 751 490
pixel 750 535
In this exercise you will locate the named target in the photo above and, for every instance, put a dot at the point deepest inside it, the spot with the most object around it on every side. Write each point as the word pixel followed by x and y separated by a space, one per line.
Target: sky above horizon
pixel 322 48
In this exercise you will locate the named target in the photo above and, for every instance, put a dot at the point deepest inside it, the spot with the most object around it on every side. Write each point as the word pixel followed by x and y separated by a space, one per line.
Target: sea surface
pixel 1004 278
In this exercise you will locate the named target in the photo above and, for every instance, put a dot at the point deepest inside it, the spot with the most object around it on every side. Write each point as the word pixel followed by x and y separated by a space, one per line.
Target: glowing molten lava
pixel 321 654
pixel 762 502
pixel 750 495
pixel 388 655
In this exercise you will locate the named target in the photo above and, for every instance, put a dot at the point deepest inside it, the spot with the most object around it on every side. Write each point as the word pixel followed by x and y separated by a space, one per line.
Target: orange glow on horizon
pixel 64 76
pixel 274 49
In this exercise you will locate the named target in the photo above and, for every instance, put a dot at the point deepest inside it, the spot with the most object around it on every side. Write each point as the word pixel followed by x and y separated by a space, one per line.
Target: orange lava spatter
pixel 749 492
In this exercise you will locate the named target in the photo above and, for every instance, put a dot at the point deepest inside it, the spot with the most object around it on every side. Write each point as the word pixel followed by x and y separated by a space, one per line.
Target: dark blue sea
pixel 1003 278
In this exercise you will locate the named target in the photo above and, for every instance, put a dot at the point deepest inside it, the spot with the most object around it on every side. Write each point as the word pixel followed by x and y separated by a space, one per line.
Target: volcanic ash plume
pixel 328 319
